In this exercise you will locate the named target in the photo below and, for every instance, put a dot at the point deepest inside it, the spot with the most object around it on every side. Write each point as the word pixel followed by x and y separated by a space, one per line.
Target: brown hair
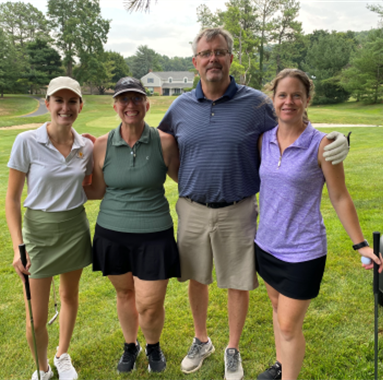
pixel 293 73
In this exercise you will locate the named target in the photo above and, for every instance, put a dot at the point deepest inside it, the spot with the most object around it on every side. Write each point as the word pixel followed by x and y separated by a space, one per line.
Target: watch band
pixel 364 243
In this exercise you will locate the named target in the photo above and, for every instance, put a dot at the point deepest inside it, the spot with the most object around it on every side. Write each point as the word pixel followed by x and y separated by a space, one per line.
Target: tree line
pixel 70 40
pixel 268 38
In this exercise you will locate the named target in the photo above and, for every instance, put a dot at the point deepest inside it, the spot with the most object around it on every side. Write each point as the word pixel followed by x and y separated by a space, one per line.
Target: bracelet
pixel 364 243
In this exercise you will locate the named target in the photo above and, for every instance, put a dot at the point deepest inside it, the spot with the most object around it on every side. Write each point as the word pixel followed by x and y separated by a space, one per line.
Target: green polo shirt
pixel 135 196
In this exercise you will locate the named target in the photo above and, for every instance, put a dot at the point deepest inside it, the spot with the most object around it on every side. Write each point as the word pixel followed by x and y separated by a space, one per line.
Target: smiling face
pixel 213 68
pixel 290 101
pixel 131 107
pixel 64 107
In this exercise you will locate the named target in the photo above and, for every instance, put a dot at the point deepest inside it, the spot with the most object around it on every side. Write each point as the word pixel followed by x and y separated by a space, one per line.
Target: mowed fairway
pixel 339 324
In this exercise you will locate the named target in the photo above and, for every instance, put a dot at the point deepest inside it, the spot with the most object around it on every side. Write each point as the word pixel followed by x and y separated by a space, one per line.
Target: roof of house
pixel 176 75
pixel 176 85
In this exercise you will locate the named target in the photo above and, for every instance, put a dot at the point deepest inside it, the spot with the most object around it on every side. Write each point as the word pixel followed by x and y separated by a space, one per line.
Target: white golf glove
pixel 337 151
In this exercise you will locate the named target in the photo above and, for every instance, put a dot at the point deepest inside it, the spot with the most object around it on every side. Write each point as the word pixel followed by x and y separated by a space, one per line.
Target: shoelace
pixel 275 370
pixel 129 354
pixel 64 363
pixel 155 354
pixel 232 361
pixel 194 350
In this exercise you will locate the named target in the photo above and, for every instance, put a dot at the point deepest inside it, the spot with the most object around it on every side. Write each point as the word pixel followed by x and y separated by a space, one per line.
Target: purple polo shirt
pixel 291 226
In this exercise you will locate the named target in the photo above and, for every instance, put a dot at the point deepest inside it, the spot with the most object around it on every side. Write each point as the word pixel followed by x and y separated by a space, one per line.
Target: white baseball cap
pixel 63 83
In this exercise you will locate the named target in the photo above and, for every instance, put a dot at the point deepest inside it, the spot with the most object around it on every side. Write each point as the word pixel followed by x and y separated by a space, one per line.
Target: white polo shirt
pixel 54 182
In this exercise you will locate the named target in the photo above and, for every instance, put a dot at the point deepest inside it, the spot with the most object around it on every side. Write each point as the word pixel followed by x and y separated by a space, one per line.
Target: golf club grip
pixel 376 251
pixel 23 257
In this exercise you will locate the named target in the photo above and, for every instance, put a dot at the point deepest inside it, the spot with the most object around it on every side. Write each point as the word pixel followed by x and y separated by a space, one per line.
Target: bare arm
pixel 343 204
pixel 96 189
pixel 260 146
pixel 171 154
pixel 16 183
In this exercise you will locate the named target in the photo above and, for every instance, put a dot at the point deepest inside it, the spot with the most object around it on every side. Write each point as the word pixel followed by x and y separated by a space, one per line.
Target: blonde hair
pixel 293 73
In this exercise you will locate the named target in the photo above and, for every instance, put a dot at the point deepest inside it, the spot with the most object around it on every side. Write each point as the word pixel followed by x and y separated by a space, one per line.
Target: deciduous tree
pixel 79 28
pixel 23 23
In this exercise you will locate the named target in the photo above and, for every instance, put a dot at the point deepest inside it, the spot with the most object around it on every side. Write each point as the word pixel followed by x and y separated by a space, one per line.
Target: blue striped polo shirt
pixel 219 157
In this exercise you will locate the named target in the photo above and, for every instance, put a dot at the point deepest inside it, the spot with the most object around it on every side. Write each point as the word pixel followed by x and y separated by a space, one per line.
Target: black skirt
pixel 299 281
pixel 149 256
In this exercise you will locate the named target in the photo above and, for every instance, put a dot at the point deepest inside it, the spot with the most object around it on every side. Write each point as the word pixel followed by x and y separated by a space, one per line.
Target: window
pixel 185 80
pixel 150 80
pixel 170 80
pixel 177 91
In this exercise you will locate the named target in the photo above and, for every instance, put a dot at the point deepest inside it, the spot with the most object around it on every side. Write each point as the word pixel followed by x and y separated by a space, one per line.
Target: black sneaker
pixel 128 359
pixel 157 361
pixel 272 373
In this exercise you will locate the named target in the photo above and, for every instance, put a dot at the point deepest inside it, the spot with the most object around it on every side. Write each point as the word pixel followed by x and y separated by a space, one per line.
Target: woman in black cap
pixel 134 242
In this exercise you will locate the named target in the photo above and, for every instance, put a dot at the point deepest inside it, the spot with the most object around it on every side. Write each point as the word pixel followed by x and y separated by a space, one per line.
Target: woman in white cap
pixel 55 160
pixel 134 241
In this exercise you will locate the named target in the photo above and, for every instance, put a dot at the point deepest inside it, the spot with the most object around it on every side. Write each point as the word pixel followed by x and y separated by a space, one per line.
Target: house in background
pixel 168 82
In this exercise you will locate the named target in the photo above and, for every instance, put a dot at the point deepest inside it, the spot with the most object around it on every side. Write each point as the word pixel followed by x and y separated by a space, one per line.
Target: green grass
pixel 338 326
pixel 347 113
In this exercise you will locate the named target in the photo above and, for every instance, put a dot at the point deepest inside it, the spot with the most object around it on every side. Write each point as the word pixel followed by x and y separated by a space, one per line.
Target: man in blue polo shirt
pixel 217 126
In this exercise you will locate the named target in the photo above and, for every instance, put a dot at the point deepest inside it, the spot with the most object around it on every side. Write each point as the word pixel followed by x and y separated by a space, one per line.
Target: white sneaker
pixel 233 364
pixel 43 375
pixel 198 352
pixel 65 368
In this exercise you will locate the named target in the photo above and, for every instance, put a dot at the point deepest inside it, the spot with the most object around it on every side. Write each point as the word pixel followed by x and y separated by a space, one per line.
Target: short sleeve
pixel 20 158
pixel 269 117
pixel 166 124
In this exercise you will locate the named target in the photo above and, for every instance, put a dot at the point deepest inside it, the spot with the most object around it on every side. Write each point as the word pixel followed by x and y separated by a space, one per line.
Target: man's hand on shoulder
pixel 337 151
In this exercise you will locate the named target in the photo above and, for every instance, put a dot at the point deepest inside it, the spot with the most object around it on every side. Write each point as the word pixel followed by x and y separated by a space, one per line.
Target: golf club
pixel 23 258
pixel 54 298
pixel 376 294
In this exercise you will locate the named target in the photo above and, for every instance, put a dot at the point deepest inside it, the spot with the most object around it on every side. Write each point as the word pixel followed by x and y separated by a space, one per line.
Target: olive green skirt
pixel 57 242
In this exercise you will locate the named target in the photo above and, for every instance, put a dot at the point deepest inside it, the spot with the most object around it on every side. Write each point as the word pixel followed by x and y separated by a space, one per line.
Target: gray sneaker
pixel 233 364
pixel 197 353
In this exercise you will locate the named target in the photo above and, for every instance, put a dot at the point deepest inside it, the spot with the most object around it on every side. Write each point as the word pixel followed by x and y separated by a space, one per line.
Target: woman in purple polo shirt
pixel 291 243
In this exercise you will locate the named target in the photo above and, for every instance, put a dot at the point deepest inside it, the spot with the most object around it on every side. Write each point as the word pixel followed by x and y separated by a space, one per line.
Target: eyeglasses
pixel 137 100
pixel 209 53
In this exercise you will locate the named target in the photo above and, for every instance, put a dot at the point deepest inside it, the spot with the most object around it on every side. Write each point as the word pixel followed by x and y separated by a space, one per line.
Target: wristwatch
pixel 364 243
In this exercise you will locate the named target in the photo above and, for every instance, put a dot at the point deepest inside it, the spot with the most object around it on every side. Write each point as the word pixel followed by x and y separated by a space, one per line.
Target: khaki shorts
pixel 225 235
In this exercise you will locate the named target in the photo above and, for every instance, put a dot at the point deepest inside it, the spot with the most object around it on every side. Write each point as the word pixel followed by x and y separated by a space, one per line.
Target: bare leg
pixel 288 324
pixel 199 299
pixel 150 297
pixel 69 287
pixel 39 300
pixel 126 305
pixel 238 304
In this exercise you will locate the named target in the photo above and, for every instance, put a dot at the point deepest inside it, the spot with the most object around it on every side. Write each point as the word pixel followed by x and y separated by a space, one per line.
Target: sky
pixel 171 25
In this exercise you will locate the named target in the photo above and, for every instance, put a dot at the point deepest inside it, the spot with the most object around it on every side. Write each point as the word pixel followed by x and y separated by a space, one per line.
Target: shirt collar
pixel 117 140
pixel 43 138
pixel 229 93
pixel 303 141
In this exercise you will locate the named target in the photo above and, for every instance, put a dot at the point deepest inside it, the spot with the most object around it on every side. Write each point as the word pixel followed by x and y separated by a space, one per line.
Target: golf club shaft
pixel 376 294
pixel 23 258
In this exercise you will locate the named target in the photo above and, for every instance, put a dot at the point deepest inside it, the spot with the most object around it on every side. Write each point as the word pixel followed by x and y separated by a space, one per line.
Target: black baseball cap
pixel 128 84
